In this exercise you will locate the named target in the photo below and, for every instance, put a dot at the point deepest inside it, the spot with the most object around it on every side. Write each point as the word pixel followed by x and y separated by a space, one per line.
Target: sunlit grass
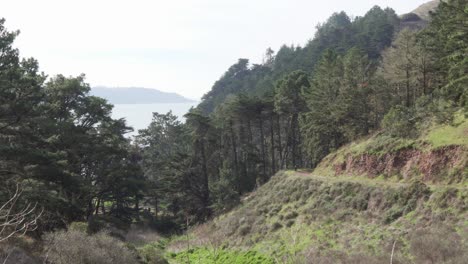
pixel 447 135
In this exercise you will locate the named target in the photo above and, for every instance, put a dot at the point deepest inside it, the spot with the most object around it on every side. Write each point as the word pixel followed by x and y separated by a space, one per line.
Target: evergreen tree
pixel 320 125
pixel 289 103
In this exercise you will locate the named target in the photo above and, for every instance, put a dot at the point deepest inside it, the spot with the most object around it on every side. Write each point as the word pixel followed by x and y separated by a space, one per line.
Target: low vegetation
pixel 297 216
pixel 76 247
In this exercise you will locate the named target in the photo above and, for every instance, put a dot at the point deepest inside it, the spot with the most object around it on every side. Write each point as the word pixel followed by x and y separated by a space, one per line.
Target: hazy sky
pixel 172 45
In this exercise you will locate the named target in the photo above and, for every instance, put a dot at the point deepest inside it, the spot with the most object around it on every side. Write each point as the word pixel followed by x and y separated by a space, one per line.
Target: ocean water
pixel 139 116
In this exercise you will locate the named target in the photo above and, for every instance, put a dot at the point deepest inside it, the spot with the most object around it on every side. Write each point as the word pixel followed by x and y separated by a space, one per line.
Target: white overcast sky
pixel 180 46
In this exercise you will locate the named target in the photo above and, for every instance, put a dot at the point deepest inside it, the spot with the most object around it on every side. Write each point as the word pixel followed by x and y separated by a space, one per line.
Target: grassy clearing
pixel 449 135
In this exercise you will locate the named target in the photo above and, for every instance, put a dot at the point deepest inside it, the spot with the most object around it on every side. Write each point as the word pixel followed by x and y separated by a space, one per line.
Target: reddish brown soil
pixel 446 164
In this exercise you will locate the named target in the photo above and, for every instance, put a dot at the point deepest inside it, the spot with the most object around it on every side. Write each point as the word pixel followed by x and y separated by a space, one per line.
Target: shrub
pixel 393 214
pixel 439 110
pixel 438 246
pixel 16 255
pixel 152 254
pixel 400 122
pixel 74 247
pixel 79 226
pixel 223 195
pixel 244 230
pixel 289 223
pixel 109 223
pixel 275 226
pixel 291 215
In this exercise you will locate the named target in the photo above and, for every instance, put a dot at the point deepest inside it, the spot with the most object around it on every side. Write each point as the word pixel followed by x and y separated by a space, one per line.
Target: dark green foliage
pixel 447 40
pixel 61 145
pixel 400 122
pixel 340 103
pixel 371 33
pixel 289 104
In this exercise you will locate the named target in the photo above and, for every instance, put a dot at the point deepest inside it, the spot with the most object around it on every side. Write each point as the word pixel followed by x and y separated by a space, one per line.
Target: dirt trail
pixel 369 181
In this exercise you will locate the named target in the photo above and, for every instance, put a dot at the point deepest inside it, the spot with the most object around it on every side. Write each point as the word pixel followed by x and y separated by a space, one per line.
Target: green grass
pixel 219 255
pixel 344 214
pixel 448 135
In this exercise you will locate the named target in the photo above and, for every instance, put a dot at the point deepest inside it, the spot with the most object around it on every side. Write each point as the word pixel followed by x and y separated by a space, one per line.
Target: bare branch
pixel 17 221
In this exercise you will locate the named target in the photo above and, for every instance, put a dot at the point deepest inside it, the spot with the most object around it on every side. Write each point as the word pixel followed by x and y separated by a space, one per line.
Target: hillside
pixel 438 155
pixel 424 10
pixel 351 215
pixel 299 216
pixel 135 95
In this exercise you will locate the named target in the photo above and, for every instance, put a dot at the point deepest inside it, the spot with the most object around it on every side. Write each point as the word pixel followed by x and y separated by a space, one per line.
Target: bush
pixel 400 122
pixel 439 110
pixel 291 215
pixel 289 223
pixel 79 226
pixel 275 226
pixel 438 246
pixel 244 230
pixel 16 255
pixel 107 223
pixel 75 247
pixel 152 254
pixel 224 196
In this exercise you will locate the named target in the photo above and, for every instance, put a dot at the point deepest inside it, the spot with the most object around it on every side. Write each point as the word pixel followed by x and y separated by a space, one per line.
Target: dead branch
pixel 17 221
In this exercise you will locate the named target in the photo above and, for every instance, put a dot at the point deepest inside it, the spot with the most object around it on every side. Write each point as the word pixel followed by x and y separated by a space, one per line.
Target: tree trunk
pixel 206 192
pixel 272 140
pixel 137 207
pixel 156 208
pixel 280 148
pixel 234 153
pixel 262 138
pixel 98 204
pixel 90 209
pixel 407 88
pixel 294 140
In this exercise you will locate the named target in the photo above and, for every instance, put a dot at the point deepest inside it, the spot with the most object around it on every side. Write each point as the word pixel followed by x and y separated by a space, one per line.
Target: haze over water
pixel 139 116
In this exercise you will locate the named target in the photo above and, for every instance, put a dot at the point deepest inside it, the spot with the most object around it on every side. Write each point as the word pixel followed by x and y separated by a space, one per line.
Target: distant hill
pixel 136 95
pixel 420 17
pixel 423 10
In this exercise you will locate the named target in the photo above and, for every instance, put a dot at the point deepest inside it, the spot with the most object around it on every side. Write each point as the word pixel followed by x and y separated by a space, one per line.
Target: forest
pixel 66 164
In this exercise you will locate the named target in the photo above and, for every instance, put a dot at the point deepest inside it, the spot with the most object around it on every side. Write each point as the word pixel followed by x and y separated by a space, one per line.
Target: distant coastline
pixel 138 95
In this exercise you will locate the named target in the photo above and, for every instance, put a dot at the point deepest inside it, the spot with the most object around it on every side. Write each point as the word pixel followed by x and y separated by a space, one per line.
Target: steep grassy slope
pixel 297 217
pixel 362 201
